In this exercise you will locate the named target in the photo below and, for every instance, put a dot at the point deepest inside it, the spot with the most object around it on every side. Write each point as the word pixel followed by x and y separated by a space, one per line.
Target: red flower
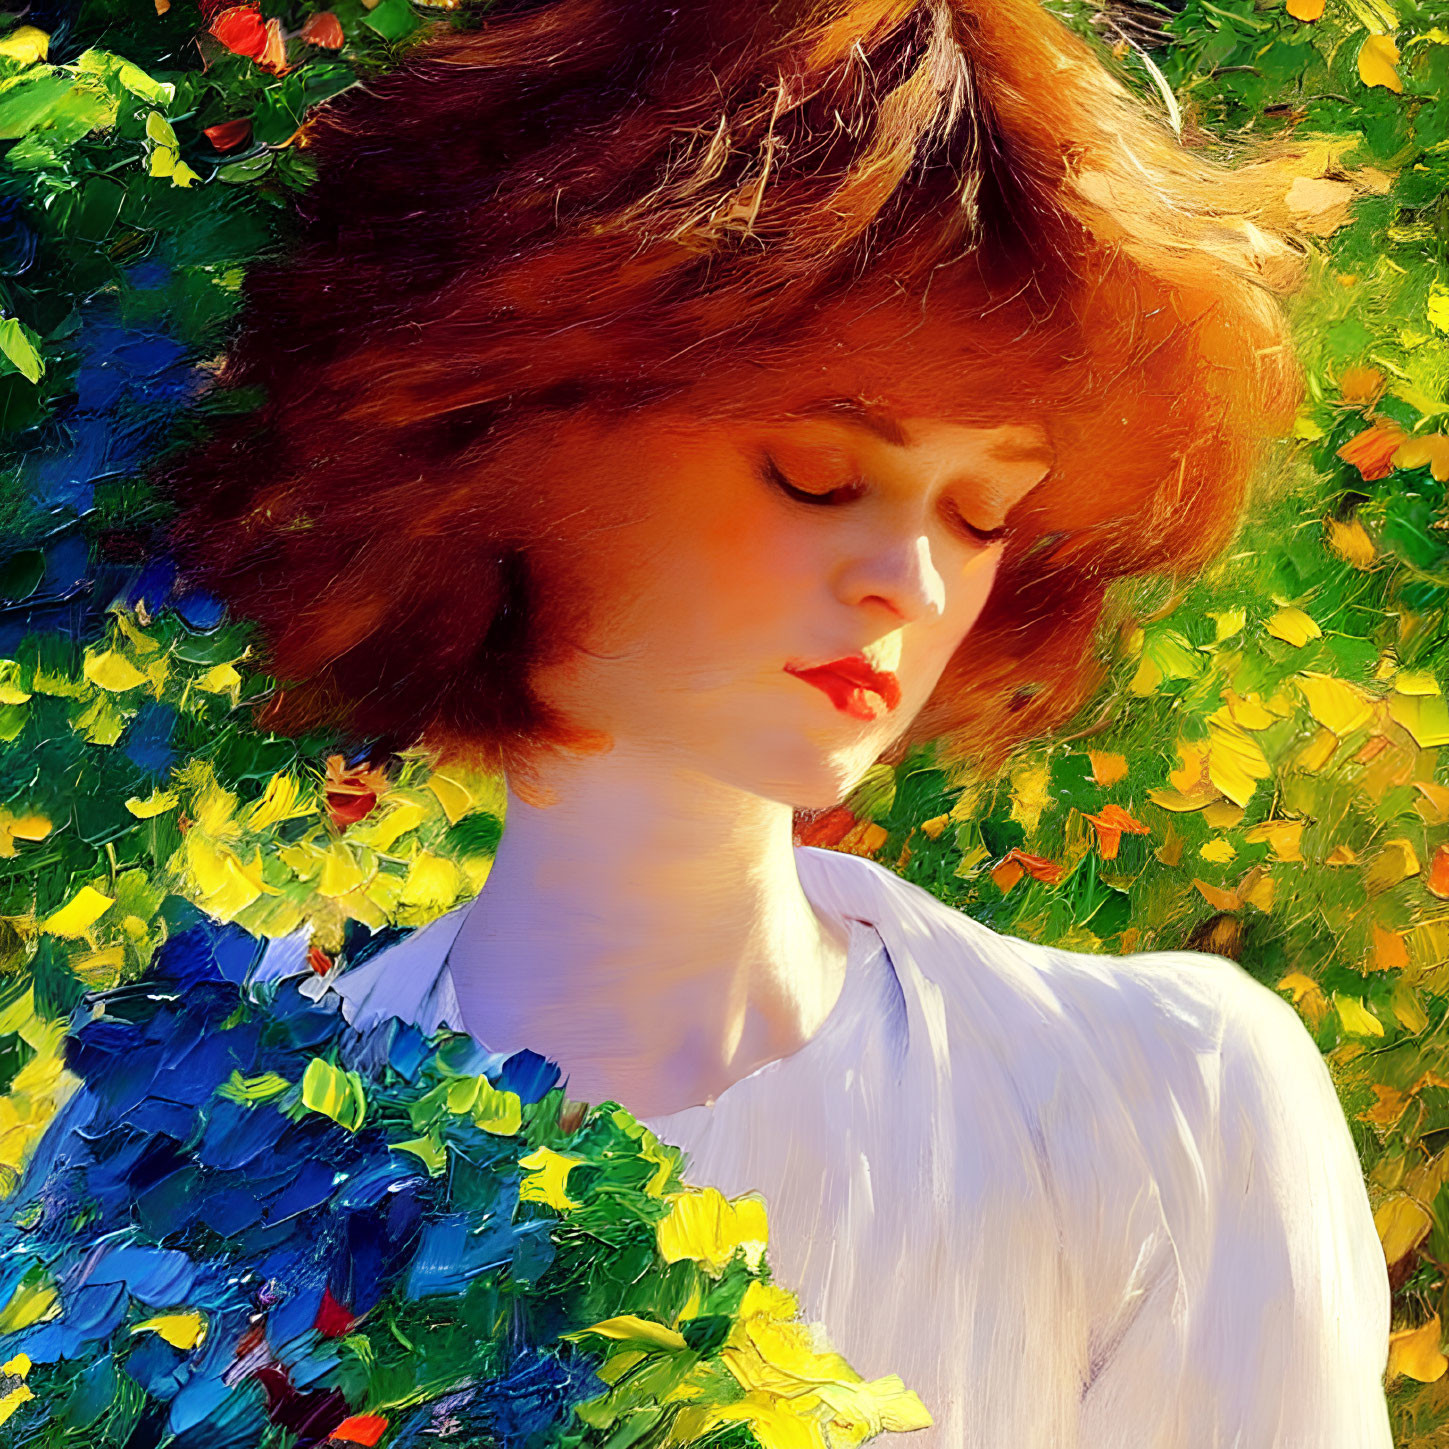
pixel 332 1320
pixel 351 791
pixel 242 30
pixel 826 830
pixel 319 960
pixel 228 135
pixel 363 1429
pixel 323 28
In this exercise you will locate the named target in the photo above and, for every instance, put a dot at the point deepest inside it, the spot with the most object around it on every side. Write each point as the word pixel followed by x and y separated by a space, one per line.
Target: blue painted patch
pixel 533 1077
pixel 147 741
pixel 158 1276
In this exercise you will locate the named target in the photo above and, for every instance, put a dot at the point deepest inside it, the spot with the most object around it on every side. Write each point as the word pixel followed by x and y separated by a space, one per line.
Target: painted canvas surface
pixel 723 724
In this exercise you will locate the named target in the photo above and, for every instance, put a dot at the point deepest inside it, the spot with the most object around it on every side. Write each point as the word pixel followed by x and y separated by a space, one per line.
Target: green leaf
pixel 250 1090
pixel 392 19
pixel 334 1093
pixel 21 573
pixel 432 1153
pixel 280 112
pixel 127 75
pixel 159 130
pixel 18 345
pixel 247 170
pixel 139 84
pixel 31 103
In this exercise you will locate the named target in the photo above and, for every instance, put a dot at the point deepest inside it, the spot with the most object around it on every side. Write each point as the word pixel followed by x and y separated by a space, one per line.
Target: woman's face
pixel 836 522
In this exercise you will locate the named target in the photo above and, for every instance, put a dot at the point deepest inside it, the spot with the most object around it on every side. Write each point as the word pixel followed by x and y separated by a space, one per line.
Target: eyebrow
pixel 878 420
pixel 871 416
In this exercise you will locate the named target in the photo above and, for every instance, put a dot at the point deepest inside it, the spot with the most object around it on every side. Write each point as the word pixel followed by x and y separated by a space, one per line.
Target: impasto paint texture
pixel 722 724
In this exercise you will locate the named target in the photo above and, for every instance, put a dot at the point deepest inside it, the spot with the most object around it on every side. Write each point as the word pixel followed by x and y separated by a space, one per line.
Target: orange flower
pixel 323 28
pixel 1372 451
pixel 1016 863
pixel 1361 387
pixel 1438 880
pixel 1109 823
pixel 274 52
pixel 360 1429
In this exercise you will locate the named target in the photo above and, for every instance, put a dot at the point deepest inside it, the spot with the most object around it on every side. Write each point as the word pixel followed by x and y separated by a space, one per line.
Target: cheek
pixel 977 581
pixel 735 573
pixel 687 578
pixel 965 600
pixel 752 569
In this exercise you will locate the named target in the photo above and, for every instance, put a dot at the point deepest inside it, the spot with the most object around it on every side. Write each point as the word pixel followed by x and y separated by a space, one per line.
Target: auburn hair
pixel 600 203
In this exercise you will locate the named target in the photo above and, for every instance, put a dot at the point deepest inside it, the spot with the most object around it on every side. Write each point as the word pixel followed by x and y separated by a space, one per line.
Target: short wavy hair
pixel 593 203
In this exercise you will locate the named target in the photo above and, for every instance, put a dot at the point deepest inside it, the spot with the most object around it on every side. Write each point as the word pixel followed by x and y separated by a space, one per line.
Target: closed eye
pixel 774 475
pixel 777 479
pixel 981 535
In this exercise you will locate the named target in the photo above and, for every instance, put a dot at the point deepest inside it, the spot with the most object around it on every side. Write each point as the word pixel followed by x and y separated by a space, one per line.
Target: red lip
pixel 853 686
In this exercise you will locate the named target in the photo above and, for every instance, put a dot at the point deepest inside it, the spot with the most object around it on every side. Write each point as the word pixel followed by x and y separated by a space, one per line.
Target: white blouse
pixel 1075 1201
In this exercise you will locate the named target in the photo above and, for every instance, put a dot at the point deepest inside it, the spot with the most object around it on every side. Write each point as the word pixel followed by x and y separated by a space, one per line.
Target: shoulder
pixel 1193 997
pixel 1184 1029
pixel 1184 1121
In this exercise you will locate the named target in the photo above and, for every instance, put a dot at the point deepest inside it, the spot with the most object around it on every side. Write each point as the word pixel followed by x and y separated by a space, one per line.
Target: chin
pixel 801 775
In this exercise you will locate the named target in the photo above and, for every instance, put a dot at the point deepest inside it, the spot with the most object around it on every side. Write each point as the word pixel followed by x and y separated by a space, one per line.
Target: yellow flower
pixel 79 914
pixel 1236 761
pixel 280 801
pixel 432 883
pixel 778 1359
pixel 13 1391
pixel 707 1229
pixel 1378 59
pixel 27 44
pixel 548 1177
pixel 1335 703
pixel 181 1330
pixel 225 885
pixel 630 1328
pixel 776 1424
pixel 112 671
pixel 496 1111
pixel 1416 1353
pixel 33 1301
pixel 1294 627
pixel 220 679
pixel 156 803
pixel 20 827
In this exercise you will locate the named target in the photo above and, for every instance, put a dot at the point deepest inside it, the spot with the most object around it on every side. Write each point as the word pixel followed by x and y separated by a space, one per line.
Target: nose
pixel 901 577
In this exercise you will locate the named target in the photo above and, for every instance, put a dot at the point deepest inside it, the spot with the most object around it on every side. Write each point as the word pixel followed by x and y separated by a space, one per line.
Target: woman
pixel 682 407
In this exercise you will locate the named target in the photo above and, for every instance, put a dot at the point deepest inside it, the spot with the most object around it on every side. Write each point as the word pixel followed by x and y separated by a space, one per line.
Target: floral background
pixel 1263 775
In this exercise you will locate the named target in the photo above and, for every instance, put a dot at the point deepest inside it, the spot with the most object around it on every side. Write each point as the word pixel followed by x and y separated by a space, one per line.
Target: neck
pixel 649 932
